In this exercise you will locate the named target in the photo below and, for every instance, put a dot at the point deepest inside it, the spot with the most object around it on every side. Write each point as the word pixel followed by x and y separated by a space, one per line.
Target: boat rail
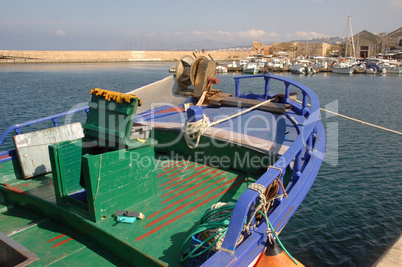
pixel 17 128
pixel 306 154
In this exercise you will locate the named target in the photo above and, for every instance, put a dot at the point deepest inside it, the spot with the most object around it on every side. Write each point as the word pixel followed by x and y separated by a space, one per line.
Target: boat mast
pixel 350 31
pixel 351 34
pixel 347 40
pixel 307 44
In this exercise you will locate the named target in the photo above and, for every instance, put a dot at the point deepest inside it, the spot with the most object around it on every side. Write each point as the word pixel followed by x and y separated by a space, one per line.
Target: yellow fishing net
pixel 116 96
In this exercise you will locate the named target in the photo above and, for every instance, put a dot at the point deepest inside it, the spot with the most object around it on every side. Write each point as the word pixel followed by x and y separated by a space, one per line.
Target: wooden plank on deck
pixel 32 147
pixel 217 99
pixel 248 103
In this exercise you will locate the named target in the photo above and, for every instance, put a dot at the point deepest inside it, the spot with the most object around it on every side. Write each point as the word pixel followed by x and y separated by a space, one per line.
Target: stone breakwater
pixel 22 56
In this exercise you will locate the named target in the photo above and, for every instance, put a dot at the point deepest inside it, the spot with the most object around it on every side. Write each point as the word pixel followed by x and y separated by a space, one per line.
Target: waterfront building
pixel 391 44
pixel 366 44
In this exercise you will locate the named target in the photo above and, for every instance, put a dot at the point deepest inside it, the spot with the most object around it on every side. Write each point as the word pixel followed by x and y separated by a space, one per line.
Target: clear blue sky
pixel 156 24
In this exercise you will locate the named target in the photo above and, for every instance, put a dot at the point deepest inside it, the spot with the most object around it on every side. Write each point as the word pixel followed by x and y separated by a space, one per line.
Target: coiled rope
pixel 215 221
pixel 212 230
pixel 262 208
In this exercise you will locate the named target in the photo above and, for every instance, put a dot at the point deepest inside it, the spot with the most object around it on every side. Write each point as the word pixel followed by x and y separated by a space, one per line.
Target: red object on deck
pixel 213 80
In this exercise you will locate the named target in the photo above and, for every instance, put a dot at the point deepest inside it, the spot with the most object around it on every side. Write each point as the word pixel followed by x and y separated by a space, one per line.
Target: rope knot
pixel 258 187
pixel 194 130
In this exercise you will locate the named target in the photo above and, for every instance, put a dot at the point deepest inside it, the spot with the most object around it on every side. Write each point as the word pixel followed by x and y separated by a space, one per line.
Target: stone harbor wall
pixel 15 56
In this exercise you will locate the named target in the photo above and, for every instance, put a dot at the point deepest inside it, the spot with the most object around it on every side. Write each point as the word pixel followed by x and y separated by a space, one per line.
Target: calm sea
pixel 352 213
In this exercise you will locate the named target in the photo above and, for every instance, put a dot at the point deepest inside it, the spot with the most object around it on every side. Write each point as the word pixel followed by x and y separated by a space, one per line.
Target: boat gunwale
pixel 229 253
pixel 11 154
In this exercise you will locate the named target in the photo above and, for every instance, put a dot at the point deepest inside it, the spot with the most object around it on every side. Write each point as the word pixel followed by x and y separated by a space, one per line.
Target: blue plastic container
pixel 199 260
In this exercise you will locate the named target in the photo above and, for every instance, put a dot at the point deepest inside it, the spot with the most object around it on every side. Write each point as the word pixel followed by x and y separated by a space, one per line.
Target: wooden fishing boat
pixel 173 173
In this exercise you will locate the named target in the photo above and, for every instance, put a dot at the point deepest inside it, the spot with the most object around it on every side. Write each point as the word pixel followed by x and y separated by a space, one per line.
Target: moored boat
pixel 393 69
pixel 259 60
pixel 342 67
pixel 131 184
pixel 390 67
pixel 251 68
pixel 221 69
pixel 346 65
pixel 243 63
pixel 234 67
pixel 372 68
pixel 172 69
pixel 302 67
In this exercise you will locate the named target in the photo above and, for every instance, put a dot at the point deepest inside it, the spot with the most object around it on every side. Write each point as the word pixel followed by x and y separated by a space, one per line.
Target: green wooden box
pixel 114 180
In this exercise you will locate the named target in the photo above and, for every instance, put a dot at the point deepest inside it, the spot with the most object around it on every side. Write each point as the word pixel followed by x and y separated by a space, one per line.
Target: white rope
pixel 262 205
pixel 363 122
pixel 353 119
pixel 194 130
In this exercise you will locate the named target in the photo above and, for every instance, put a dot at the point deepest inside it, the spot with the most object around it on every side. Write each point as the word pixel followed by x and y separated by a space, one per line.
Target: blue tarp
pixel 372 65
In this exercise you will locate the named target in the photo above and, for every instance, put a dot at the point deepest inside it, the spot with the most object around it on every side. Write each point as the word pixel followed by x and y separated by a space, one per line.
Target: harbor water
pixel 351 215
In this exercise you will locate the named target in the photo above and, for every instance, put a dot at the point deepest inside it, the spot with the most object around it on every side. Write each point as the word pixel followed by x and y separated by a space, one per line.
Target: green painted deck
pixel 54 245
pixel 185 190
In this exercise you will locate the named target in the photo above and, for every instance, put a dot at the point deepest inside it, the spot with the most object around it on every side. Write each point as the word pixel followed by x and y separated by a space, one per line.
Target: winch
pixel 195 76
